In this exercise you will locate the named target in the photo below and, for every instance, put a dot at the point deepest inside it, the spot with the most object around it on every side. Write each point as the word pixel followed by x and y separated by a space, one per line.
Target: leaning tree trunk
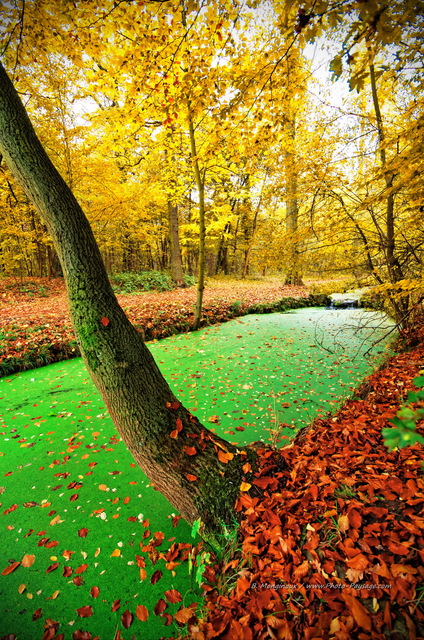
pixel 197 471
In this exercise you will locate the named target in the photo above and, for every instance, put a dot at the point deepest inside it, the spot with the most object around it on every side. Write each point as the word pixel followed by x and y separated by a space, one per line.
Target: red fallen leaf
pixel 116 605
pixel 74 497
pixel 190 451
pixel 85 612
pixel 359 562
pixel 160 607
pixel 29 533
pixel 83 532
pixel 142 613
pixel 10 568
pixel 42 542
pixel 132 519
pixel 240 429
pixel 173 596
pixel 126 619
pixel 175 520
pixel 37 614
pixel 174 434
pixel 52 567
pixel 105 321
pixel 191 478
pixel 313 490
pixel 156 576
pixel 81 568
pixel 51 543
pixel 10 509
pixel 78 581
pixel 67 572
pixel 173 405
pixel 140 561
pixel 94 591
pixel 178 424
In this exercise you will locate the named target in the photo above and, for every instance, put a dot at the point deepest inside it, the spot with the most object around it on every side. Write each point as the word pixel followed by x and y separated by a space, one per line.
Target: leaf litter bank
pixel 92 496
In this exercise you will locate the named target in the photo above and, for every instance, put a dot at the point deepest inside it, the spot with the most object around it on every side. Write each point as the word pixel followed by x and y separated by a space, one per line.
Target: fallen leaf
pixel 21 588
pixel 105 321
pixel 28 560
pixel 183 615
pixel 160 607
pixel 83 532
pixel 126 619
pixel 142 613
pixel 245 486
pixel 156 576
pixel 85 612
pixel 191 478
pixel 115 554
pixel 81 568
pixel 173 596
pixel 116 605
pixel 94 591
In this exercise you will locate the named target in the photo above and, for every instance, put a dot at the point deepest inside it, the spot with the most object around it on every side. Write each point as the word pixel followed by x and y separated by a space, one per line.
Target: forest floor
pixel 35 327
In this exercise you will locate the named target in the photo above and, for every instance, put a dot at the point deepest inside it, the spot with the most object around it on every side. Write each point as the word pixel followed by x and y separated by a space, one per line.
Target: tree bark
pixel 200 182
pixel 156 428
pixel 174 238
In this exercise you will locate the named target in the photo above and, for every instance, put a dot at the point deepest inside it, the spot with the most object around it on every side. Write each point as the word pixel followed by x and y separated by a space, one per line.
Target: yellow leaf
pixel 21 588
pixel 343 523
pixel 27 560
pixel 115 553
pixel 245 486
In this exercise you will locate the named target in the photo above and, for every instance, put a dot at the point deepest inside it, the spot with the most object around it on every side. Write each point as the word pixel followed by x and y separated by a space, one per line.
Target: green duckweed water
pixel 72 497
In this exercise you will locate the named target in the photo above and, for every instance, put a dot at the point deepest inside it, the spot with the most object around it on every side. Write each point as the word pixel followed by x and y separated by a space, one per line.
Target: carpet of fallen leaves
pixel 332 534
pixel 36 327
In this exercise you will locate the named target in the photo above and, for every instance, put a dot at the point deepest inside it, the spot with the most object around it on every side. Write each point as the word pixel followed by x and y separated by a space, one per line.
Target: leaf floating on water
pixel 37 614
pixel 142 613
pixel 21 588
pixel 156 576
pixel 28 560
pixel 85 612
pixel 173 596
pixel 81 568
pixel 116 605
pixel 10 509
pixel 83 532
pixel 126 619
pixel 52 567
pixel 94 591
pixel 115 554
pixel 160 607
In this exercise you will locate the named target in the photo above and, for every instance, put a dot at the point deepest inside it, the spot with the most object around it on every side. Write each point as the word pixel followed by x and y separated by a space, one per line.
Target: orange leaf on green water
pixel 10 568
pixel 142 613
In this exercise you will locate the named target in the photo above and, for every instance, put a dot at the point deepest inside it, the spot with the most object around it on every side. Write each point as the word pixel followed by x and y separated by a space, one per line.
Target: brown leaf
pixel 116 605
pixel 160 607
pixel 190 451
pixel 142 613
pixel 156 576
pixel 126 619
pixel 172 595
pixel 51 543
pixel 359 562
pixel 83 532
pixel 225 456
pixel 173 405
pixel 31 503
pixel 191 478
pixel 85 612
pixel 67 572
pixel 52 567
pixel 183 615
pixel 94 591
pixel 105 321
pixel 28 560
pixel 358 611
pixel 81 568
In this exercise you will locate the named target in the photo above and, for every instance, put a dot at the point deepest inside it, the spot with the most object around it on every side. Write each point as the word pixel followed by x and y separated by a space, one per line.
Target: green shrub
pixel 144 281
pixel 189 280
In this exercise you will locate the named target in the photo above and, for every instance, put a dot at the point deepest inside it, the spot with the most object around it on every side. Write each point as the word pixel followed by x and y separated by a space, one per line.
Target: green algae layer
pixel 74 506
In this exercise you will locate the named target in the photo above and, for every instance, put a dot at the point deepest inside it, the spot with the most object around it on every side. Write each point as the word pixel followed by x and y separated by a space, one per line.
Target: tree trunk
pixel 174 238
pixel 159 432
pixel 293 276
pixel 394 269
pixel 200 182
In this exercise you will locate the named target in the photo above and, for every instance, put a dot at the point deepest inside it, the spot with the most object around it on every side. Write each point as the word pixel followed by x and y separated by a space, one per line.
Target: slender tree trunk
pixel 174 238
pixel 159 432
pixel 200 183
pixel 393 267
pixel 293 276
